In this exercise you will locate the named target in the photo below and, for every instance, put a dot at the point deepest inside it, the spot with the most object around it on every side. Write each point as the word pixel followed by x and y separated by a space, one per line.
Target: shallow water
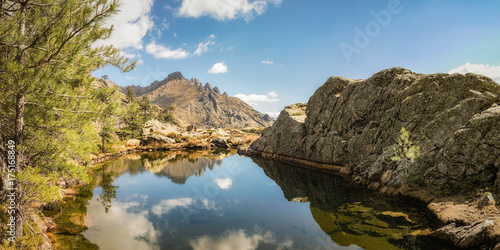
pixel 204 200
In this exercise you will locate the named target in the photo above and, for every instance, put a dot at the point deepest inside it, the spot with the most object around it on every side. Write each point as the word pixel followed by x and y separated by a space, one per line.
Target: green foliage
pixel 145 109
pixel 130 95
pixel 406 153
pixel 169 109
pixel 109 105
pixel 47 99
pixel 469 185
pixel 168 118
pixel 34 182
pixel 31 240
pixel 299 113
pixel 64 217
pixel 166 115
pixel 134 123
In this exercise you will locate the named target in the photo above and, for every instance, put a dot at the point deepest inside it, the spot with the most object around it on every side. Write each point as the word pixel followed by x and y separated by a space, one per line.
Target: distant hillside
pixel 201 105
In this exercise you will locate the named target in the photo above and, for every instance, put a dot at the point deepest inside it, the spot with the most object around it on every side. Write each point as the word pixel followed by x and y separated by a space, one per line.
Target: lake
pixel 220 200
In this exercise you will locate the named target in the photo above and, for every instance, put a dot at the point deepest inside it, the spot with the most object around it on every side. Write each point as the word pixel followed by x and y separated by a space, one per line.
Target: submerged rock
pixel 395 125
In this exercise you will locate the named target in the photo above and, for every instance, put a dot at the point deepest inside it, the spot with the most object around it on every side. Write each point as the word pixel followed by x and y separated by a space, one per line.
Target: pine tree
pixel 146 109
pixel 133 120
pixel 109 106
pixel 130 95
pixel 47 102
pixel 167 115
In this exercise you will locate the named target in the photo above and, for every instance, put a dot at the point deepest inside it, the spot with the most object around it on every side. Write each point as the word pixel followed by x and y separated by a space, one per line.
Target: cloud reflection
pixel 166 206
pixel 224 183
pixel 238 239
pixel 120 228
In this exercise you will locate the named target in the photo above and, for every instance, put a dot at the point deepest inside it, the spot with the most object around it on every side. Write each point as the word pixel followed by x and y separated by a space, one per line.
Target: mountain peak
pixel 174 76
pixel 208 86
pixel 201 105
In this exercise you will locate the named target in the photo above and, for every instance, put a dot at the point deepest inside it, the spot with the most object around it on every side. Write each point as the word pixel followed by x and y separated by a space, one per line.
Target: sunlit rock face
pixel 451 121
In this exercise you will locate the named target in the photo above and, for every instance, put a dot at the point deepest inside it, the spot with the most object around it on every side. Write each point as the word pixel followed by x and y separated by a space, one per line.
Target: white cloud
pixel 160 28
pixel 224 183
pixel 203 47
pixel 224 9
pixel 481 69
pixel 160 51
pixel 273 114
pixel 218 68
pixel 129 55
pixel 254 99
pixel 130 25
pixel 266 62
pixel 230 48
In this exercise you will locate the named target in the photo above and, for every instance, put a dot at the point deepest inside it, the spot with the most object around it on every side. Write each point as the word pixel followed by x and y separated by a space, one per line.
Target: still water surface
pixel 218 200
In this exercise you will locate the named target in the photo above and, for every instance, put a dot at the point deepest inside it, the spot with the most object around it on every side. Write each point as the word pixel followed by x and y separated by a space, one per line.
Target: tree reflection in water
pixel 108 190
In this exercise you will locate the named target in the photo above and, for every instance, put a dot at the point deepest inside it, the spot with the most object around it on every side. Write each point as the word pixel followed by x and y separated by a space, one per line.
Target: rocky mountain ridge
pixel 202 105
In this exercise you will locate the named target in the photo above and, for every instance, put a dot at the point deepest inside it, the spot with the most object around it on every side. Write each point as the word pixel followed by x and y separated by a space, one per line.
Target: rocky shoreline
pixel 434 137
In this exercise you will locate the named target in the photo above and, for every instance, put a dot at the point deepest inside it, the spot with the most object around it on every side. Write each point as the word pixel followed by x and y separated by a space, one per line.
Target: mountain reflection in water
pixel 218 200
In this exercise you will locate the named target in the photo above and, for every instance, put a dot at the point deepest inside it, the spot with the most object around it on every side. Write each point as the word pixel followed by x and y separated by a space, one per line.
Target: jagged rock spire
pixel 208 86
pixel 217 90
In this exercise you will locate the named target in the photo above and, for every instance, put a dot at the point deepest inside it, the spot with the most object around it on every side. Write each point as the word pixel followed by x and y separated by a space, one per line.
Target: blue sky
pixel 272 53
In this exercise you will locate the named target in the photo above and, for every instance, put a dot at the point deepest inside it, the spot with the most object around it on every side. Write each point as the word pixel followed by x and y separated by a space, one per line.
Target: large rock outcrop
pixel 201 105
pixel 155 131
pixel 453 125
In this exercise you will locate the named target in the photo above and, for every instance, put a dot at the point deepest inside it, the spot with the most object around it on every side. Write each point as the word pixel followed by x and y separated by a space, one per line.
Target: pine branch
pixel 62 110
pixel 9 45
pixel 44 5
pixel 76 111
pixel 24 219
pixel 74 33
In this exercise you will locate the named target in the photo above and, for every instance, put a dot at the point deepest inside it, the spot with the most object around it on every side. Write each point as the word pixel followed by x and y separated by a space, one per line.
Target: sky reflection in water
pixel 206 201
